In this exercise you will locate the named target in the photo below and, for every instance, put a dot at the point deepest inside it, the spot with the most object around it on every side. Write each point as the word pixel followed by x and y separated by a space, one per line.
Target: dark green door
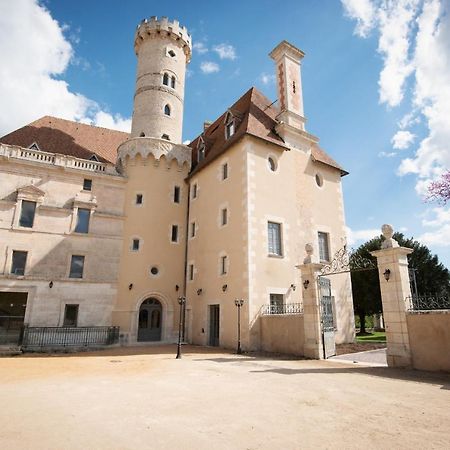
pixel 150 320
pixel 214 321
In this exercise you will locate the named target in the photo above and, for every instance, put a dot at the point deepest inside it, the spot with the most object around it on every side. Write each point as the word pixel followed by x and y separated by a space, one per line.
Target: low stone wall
pixel 429 338
pixel 282 333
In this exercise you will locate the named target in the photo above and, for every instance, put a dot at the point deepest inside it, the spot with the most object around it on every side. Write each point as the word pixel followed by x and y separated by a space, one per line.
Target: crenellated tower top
pixel 153 27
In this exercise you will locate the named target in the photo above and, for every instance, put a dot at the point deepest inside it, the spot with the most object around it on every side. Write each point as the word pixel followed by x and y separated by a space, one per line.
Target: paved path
pixel 144 398
pixel 374 358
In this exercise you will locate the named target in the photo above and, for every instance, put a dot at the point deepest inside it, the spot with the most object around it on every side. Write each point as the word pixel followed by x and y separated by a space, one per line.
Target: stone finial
pixel 388 232
pixel 309 251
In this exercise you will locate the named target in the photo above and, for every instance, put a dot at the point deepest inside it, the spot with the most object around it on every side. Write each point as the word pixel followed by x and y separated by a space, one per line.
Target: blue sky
pixel 372 69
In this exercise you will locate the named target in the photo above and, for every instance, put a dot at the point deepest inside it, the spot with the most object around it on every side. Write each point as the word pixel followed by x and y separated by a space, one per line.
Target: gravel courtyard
pixel 144 398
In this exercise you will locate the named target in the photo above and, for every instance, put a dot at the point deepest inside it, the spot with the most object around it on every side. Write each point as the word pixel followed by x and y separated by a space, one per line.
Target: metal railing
pixel 286 308
pixel 428 302
pixel 53 337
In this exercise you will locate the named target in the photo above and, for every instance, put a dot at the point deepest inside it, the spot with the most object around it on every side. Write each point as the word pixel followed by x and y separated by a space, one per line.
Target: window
pixel 201 153
pixel 83 216
pixel 76 266
pixel 276 303
pixel 192 229
pixel 319 180
pixel 324 247
pixel 272 164
pixel 19 260
pixel 224 171
pixel 174 233
pixel 166 79
pixel 135 245
pixel 176 194
pixel 191 272
pixel 154 271
pixel 167 110
pixel 142 134
pixel 229 129
pixel 166 137
pixel 139 199
pixel 70 316
pixel 172 82
pixel 171 53
pixel 224 216
pixel 94 158
pixel 194 190
pixel 274 238
pixel 223 265
pixel 87 184
pixel 27 214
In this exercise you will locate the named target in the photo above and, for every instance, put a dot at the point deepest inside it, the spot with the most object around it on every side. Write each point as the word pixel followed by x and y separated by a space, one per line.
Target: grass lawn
pixel 376 336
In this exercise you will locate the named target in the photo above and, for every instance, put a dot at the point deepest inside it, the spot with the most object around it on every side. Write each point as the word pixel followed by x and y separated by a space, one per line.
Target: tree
pixel 440 189
pixel 431 275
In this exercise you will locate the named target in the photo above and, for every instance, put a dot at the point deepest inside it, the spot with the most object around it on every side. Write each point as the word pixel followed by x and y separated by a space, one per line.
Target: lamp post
pixel 239 303
pixel 182 303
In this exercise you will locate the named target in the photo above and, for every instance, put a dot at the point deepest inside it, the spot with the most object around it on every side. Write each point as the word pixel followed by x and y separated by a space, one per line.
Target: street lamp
pixel 239 303
pixel 182 303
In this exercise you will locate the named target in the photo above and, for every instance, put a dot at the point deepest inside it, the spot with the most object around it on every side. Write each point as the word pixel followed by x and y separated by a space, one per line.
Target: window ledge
pixel 274 255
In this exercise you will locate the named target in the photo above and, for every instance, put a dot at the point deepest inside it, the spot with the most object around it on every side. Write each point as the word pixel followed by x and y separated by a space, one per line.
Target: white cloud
pixel 360 236
pixel 402 139
pixel 200 47
pixel 225 51
pixel 209 67
pixel 414 39
pixel 29 88
pixel 267 79
pixel 387 154
pixel 363 12
pixel 107 120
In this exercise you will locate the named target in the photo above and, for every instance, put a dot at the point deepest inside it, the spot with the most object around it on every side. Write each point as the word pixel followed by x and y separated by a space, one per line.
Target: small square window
pixel 135 245
pixel 193 229
pixel 27 214
pixel 174 233
pixel 194 190
pixel 191 272
pixel 139 199
pixel 70 316
pixel 83 216
pixel 76 266
pixel 87 184
pixel 223 265
pixel 324 246
pixel 274 238
pixel 19 261
pixel 224 171
pixel 224 216
pixel 176 194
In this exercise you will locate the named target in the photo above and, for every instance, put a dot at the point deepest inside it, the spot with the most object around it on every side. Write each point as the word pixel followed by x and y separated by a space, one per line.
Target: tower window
pixel 174 233
pixel 167 110
pixel 224 216
pixel 223 265
pixel 166 137
pixel 224 171
pixel 171 53
pixel 135 245
pixel 173 82
pixel 142 134
pixel 176 194
pixel 191 272
pixel 194 191
pixel 192 229
pixel 166 79
pixel 139 199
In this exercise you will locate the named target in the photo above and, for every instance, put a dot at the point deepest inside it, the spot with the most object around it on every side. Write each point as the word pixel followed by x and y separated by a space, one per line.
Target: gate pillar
pixel 313 346
pixel 395 290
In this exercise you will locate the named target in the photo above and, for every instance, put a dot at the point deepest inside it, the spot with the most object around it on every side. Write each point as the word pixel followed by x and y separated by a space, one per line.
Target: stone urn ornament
pixel 388 231
pixel 309 252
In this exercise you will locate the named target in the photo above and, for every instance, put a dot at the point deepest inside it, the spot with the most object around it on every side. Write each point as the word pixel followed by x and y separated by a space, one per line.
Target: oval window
pixel 319 180
pixel 272 164
pixel 154 270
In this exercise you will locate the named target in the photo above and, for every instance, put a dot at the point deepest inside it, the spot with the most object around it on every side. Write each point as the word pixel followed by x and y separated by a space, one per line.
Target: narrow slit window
pixel 167 110
pixel 223 265
pixel 191 272
pixel 174 233
pixel 225 171
pixel 166 79
pixel 224 216
pixel 176 194
pixel 194 190
pixel 172 82
pixel 192 229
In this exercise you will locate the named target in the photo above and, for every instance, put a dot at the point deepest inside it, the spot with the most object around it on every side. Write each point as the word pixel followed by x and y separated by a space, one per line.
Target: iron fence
pixel 54 337
pixel 286 308
pixel 428 302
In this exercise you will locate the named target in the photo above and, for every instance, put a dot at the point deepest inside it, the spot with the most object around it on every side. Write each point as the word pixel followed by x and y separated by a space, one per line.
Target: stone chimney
pixel 206 124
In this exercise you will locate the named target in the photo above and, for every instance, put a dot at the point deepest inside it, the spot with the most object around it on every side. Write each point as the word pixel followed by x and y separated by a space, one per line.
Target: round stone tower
pixel 163 50
pixel 155 164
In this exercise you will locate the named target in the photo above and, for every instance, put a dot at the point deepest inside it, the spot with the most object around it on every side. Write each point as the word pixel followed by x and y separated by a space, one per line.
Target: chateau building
pixel 100 227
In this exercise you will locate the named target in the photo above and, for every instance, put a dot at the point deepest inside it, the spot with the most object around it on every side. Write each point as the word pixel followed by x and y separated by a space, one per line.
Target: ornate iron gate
pixel 342 262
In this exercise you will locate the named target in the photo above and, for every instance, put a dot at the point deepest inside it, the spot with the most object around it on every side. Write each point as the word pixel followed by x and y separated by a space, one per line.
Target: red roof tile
pixel 66 137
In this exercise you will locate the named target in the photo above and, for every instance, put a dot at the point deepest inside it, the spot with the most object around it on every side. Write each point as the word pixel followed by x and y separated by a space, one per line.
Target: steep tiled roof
pixel 68 138
pixel 255 115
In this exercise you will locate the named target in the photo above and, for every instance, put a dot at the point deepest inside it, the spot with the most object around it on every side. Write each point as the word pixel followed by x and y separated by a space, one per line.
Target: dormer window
pixel 166 79
pixel 93 158
pixel 229 126
pixel 34 146
pixel 172 82
pixel 167 110
pixel 201 150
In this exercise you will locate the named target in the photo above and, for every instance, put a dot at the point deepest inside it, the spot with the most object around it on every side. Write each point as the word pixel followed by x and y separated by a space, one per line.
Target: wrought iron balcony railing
pixel 286 308
pixel 428 302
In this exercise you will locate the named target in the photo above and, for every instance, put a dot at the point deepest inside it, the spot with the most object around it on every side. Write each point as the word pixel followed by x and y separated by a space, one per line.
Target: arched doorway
pixel 150 320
